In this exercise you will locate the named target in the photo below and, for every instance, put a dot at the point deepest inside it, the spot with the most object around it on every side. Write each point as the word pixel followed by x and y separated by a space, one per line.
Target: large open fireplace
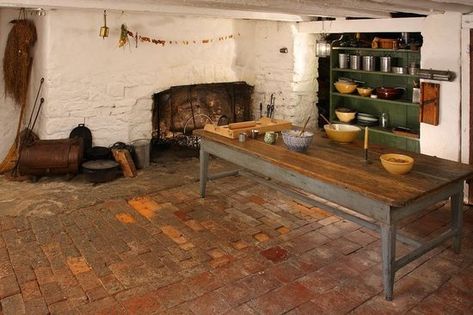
pixel 181 109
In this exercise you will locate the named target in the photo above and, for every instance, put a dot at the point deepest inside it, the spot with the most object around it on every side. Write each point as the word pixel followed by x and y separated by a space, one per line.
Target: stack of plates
pixel 366 119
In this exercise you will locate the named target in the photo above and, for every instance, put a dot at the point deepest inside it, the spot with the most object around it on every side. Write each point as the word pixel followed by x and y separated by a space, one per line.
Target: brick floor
pixel 242 250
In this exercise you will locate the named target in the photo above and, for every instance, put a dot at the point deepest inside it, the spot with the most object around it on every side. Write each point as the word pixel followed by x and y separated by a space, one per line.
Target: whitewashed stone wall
pixel 290 76
pixel 90 79
pixel 442 51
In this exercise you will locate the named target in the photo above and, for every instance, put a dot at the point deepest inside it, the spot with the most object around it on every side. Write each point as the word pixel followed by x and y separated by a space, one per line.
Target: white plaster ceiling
pixel 295 10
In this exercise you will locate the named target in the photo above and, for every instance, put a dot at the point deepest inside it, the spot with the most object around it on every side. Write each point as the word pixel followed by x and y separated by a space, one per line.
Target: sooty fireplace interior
pixel 181 109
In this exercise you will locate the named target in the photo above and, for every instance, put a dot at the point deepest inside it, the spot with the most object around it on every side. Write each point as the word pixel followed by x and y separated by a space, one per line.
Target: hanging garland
pixel 126 33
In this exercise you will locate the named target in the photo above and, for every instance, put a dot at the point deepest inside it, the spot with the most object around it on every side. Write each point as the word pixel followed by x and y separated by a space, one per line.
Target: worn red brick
pixel 194 225
pixel 203 283
pixel 282 230
pixel 78 264
pixel 174 294
pixel 208 224
pixel 275 254
pixel 235 293
pixel 181 215
pixel 216 253
pixel 147 303
pixel 174 234
pixel 187 246
pixel 282 299
pixel 259 284
pixel 52 293
pixel 44 275
pixel 30 290
pixel 240 244
pixel 24 274
pixel 209 304
pixel 8 286
pixel 220 261
pixel 96 293
pixel 285 272
pixel 13 305
pixel 37 306
pixel 88 280
pixel 111 284
pixel 145 206
pixel 256 199
pixel 104 306
pixel 261 237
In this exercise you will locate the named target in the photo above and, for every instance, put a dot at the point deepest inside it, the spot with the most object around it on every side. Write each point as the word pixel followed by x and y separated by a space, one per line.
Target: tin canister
pixel 355 62
pixel 385 64
pixel 343 61
pixel 368 63
pixel 242 137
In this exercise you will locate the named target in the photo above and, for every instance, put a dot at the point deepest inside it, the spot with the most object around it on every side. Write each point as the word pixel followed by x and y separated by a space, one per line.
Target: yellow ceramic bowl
pixel 342 133
pixel 397 164
pixel 364 91
pixel 345 117
pixel 345 87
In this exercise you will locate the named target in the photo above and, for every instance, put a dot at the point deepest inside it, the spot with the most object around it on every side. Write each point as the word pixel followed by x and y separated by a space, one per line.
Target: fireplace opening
pixel 181 109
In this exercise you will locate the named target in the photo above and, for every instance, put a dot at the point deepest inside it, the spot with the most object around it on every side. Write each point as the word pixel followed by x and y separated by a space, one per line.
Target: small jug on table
pixel 270 137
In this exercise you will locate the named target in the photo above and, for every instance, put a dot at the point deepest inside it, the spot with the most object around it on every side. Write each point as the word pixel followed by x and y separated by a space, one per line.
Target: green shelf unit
pixel 414 77
pixel 402 112
pixel 387 138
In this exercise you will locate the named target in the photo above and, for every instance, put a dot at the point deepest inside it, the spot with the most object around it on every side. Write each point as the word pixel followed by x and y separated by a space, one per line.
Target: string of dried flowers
pixel 125 33
pixel 123 36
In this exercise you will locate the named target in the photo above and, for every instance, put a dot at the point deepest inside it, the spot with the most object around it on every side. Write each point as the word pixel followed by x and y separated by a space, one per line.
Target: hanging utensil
pixel 104 30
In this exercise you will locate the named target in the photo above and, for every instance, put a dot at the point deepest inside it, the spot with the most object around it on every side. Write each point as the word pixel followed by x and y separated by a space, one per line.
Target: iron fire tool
pixel 260 110
pixel 270 107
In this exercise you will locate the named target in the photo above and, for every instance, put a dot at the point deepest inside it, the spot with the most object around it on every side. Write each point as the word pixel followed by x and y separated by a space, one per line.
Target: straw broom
pixel 16 72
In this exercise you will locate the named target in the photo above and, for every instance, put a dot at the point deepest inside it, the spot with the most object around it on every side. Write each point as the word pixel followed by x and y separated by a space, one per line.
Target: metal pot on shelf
pixel 389 93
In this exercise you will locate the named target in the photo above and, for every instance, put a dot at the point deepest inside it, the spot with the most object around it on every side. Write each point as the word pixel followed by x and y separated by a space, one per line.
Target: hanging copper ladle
pixel 104 30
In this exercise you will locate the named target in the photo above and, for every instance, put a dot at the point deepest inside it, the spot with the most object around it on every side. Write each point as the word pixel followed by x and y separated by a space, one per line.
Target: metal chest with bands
pixel 51 157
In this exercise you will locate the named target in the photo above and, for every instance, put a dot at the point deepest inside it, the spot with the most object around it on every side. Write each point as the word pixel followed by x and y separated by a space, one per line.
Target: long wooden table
pixel 341 179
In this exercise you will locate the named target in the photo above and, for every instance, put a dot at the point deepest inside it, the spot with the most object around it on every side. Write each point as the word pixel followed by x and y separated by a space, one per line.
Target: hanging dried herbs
pixel 17 60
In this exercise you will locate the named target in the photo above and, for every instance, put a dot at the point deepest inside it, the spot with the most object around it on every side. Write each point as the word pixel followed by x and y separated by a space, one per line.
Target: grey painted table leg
pixel 388 248
pixel 456 203
pixel 204 169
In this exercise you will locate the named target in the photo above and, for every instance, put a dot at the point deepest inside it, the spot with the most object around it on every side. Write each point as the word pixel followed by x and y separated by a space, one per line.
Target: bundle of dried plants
pixel 17 60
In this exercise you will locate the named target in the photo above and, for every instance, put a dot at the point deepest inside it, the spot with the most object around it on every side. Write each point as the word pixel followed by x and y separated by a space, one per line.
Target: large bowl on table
pixel 342 133
pixel 295 141
pixel 397 164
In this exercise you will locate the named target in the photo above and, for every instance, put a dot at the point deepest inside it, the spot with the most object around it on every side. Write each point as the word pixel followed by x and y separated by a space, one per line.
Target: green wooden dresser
pixel 401 112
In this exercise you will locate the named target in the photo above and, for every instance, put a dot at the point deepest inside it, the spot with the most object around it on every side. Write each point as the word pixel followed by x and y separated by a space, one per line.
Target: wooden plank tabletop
pixel 343 165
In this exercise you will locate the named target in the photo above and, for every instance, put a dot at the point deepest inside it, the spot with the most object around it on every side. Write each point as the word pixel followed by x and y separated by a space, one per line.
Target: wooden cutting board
pixel 263 124
pixel 429 103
